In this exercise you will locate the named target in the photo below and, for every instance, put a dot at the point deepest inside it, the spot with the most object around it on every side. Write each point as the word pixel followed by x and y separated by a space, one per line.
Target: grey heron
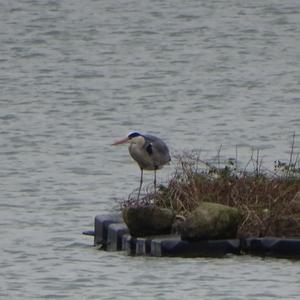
pixel 149 151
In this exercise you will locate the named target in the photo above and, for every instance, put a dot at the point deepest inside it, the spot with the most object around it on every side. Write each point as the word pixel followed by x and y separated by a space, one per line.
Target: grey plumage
pixel 153 155
pixel 149 151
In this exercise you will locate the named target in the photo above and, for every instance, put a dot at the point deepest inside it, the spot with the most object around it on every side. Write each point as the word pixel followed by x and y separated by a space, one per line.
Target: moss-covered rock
pixel 148 220
pixel 211 221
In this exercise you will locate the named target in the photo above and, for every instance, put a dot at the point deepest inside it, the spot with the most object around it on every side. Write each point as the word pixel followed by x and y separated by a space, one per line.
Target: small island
pixel 211 209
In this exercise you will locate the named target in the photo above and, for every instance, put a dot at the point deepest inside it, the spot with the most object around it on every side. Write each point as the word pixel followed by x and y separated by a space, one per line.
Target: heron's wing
pixel 159 145
pixel 157 150
pixel 149 149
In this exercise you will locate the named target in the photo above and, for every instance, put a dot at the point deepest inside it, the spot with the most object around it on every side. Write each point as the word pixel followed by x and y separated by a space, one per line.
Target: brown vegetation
pixel 269 202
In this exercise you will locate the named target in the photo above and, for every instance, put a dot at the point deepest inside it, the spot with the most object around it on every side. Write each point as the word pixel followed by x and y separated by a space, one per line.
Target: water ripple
pixel 78 75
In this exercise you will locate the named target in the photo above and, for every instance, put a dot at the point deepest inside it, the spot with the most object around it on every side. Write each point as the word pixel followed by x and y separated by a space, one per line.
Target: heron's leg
pixel 155 181
pixel 141 182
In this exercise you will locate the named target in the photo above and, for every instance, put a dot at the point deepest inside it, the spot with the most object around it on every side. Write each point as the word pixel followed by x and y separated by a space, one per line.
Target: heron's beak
pixel 123 141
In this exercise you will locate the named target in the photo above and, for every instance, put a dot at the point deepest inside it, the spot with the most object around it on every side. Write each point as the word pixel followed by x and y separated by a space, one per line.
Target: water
pixel 76 75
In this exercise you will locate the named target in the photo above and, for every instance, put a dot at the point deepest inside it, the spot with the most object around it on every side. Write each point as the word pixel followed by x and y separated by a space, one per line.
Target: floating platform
pixel 113 235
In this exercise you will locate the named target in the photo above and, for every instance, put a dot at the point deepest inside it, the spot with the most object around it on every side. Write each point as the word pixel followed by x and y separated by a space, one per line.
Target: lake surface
pixel 77 75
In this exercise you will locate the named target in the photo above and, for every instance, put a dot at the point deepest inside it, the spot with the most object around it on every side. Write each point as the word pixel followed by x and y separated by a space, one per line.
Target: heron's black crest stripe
pixel 133 135
pixel 149 149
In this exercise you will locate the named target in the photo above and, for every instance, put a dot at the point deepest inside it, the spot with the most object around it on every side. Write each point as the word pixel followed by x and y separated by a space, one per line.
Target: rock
pixel 211 221
pixel 148 220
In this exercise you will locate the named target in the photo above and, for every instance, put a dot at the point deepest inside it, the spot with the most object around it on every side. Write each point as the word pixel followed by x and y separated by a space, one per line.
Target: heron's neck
pixel 138 141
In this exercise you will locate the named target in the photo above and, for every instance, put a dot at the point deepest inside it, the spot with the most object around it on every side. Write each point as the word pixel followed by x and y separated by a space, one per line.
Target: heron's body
pixel 149 151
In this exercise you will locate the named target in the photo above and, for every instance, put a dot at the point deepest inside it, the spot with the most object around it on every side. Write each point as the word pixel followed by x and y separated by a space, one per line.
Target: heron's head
pixel 133 137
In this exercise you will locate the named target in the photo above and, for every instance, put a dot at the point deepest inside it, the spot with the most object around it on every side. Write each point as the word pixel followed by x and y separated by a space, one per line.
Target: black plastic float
pixel 143 246
pixel 113 235
pixel 129 244
pixel 115 232
pixel 101 227
pixel 179 248
pixel 89 232
pixel 273 247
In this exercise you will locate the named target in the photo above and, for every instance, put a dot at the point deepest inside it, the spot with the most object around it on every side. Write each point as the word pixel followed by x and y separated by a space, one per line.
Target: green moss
pixel 211 221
